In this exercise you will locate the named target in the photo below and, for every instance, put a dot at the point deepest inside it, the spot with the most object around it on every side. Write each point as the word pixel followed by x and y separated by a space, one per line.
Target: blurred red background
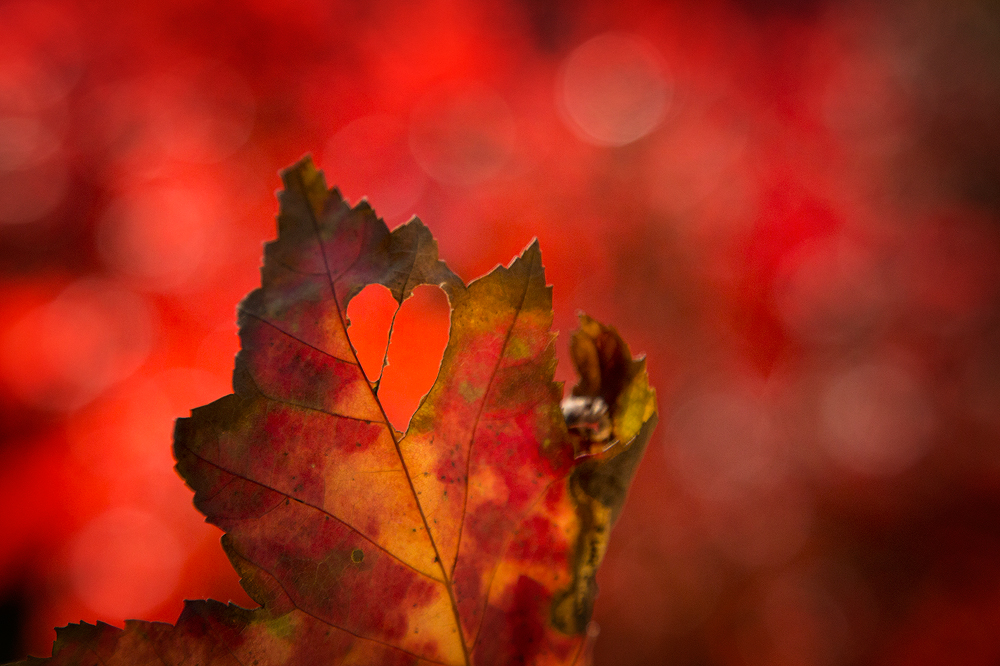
pixel 792 208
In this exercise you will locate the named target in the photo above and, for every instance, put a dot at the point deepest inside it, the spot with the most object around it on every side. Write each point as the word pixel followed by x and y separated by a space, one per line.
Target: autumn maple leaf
pixel 472 538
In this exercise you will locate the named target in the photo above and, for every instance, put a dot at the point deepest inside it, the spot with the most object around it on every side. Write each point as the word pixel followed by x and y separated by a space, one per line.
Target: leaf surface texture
pixel 472 538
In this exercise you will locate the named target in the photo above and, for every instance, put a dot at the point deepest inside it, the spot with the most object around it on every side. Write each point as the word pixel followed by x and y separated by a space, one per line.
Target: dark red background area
pixel 791 208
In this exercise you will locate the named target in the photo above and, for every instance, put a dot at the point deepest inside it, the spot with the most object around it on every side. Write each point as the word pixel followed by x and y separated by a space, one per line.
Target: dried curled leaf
pixel 473 538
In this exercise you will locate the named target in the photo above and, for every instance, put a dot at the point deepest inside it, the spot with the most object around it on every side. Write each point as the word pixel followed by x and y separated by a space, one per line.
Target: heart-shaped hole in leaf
pixel 370 315
pixel 399 348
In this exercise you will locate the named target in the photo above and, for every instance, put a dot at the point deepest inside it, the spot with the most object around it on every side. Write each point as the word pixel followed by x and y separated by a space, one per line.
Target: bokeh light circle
pixel 202 112
pixel 156 234
pixel 31 193
pixel 64 353
pixel 125 562
pixel 462 134
pixel 877 418
pixel 613 89
pixel 370 157
pixel 723 443
pixel 25 141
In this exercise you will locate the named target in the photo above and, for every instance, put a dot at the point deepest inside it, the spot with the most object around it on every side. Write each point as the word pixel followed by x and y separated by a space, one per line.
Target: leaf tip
pixel 305 178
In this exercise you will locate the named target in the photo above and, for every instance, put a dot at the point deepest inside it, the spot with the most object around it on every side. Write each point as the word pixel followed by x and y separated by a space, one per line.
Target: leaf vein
pixel 482 406
pixel 158 655
pixel 320 410
pixel 503 549
pixel 392 431
pixel 288 268
pixel 399 306
pixel 331 624
pixel 293 337
pixel 311 506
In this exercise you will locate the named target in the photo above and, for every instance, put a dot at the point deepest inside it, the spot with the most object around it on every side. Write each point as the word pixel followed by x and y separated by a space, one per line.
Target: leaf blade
pixel 472 538
pixel 275 366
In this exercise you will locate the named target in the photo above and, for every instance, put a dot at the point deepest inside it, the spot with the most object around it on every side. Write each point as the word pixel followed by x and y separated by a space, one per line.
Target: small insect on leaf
pixel 472 538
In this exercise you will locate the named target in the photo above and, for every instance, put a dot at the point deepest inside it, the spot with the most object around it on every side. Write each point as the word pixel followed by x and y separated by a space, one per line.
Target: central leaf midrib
pixel 392 431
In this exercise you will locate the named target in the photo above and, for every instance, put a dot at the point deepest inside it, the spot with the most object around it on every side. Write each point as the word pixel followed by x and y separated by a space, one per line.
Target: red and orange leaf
pixel 473 538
